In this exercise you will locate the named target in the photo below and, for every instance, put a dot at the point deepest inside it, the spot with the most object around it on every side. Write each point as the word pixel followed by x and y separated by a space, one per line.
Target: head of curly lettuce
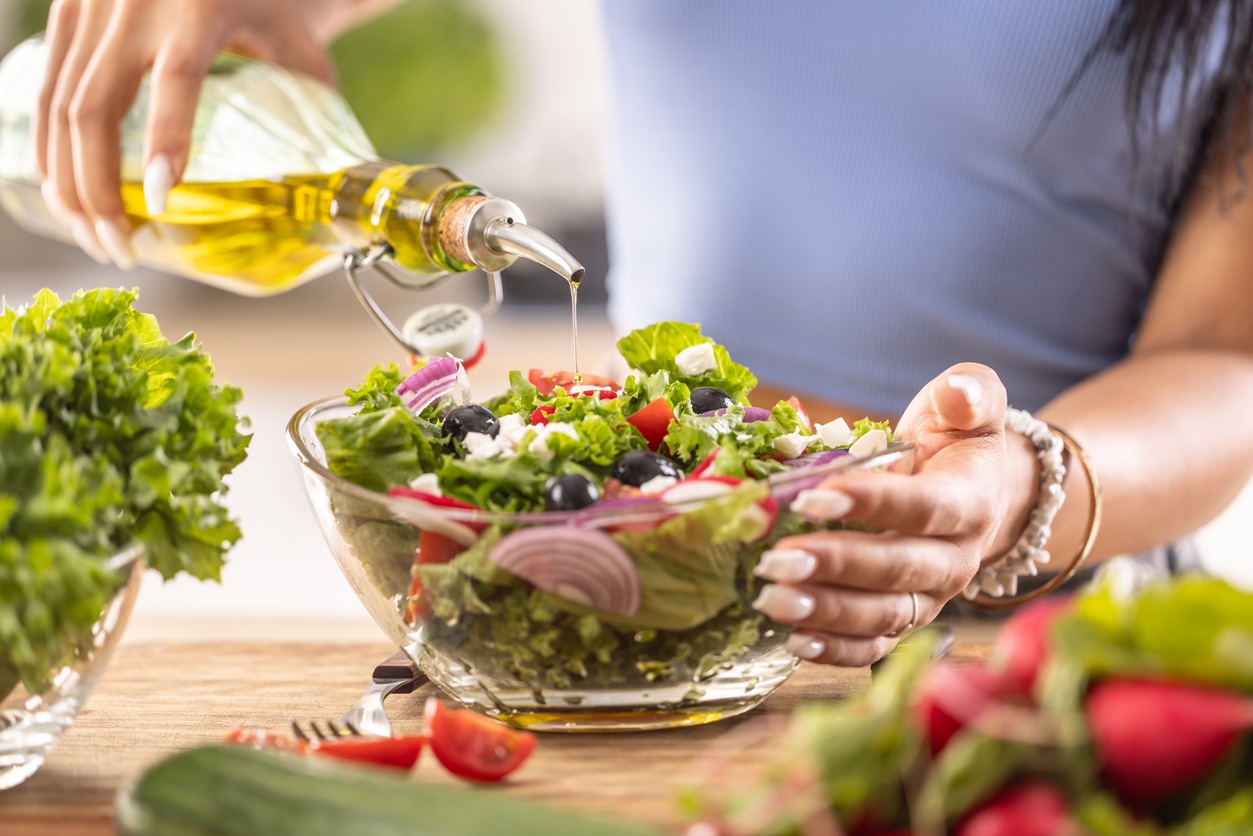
pixel 109 434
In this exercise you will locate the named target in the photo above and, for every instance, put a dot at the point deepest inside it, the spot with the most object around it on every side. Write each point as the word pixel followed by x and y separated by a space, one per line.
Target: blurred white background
pixel 541 149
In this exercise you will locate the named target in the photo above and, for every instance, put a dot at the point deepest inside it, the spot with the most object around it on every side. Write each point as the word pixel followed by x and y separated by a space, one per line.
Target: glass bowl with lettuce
pixel 113 447
pixel 576 554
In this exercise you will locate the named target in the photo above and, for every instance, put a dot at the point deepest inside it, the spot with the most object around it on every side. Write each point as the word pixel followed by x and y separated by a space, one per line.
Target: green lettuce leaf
pixel 109 433
pixel 653 349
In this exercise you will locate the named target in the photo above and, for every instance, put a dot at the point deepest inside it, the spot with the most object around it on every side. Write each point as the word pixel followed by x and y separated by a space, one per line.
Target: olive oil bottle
pixel 280 183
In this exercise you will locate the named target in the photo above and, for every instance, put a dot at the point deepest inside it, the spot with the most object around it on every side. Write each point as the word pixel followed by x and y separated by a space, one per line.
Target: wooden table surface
pixel 158 697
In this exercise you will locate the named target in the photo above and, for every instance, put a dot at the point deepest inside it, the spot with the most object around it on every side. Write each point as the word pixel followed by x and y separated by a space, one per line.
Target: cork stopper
pixel 454 227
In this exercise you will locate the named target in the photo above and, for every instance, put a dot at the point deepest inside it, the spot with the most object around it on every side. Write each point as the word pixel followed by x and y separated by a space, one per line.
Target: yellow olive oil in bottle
pixel 280 182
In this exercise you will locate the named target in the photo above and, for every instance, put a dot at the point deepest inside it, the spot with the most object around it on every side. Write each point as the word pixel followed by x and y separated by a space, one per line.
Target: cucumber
pixel 239 791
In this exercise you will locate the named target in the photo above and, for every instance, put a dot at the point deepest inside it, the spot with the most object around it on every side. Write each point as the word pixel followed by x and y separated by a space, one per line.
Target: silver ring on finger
pixel 913 619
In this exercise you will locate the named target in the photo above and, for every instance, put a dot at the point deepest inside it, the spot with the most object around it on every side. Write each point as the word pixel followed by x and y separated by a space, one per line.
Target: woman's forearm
pixel 1166 466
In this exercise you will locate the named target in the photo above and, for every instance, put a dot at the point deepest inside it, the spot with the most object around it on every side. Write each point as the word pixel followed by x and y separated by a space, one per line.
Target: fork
pixel 395 675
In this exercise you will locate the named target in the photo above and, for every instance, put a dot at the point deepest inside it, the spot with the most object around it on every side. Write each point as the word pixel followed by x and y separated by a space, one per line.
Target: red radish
pixel 764 512
pixel 1154 738
pixel 951 697
pixel 705 464
pixel 1035 808
pixel 1023 644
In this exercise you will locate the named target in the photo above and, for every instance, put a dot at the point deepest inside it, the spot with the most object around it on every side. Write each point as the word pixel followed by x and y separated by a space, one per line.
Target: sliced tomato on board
pixel 262 739
pixel 397 752
pixel 546 383
pixel 653 421
pixel 472 746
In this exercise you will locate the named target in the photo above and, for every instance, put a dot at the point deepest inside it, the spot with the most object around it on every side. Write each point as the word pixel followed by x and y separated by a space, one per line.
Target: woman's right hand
pixel 98 53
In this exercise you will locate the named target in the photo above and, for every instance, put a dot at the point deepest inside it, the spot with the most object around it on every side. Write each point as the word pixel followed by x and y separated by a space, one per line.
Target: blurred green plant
pixel 423 77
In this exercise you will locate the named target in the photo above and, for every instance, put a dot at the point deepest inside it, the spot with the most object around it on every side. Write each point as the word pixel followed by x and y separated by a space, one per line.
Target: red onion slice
pixel 579 564
pixel 751 414
pixel 816 459
pixel 428 384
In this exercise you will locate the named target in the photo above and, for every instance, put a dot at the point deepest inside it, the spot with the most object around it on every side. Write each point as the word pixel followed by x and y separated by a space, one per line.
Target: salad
pixel 582 532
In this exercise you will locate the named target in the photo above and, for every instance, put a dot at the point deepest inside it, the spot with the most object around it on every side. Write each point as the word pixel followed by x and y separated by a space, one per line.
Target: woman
pixel 978 202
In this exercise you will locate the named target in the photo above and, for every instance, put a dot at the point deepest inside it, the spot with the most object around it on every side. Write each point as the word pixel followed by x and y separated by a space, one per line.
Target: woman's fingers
pixel 90 23
pixel 887 562
pixel 105 93
pixel 842 611
pixel 99 51
pixel 178 75
pixel 59 34
pixel 828 649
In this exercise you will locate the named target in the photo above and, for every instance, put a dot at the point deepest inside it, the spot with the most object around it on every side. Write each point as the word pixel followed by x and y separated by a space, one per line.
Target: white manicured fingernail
pixel 81 230
pixel 822 504
pixel 158 180
pixel 53 201
pixel 787 565
pixel 115 243
pixel 804 647
pixel 968 386
pixel 783 603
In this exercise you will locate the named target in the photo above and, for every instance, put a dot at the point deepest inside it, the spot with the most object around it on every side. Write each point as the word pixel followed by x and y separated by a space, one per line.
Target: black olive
pixel 569 492
pixel 639 466
pixel 471 418
pixel 710 398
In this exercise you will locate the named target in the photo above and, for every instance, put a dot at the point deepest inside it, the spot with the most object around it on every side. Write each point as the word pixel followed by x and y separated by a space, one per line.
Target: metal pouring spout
pixel 491 233
pixel 507 236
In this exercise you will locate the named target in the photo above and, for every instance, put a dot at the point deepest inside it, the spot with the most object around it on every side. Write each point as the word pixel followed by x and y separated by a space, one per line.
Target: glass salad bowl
pixel 31 724
pixel 623 615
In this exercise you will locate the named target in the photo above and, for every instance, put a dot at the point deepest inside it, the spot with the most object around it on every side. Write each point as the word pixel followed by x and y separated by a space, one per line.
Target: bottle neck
pixel 435 223
pixel 405 207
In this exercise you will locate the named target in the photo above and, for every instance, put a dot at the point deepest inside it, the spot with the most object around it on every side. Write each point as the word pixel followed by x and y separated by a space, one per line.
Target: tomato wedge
pixel 472 746
pixel 433 547
pixel 546 383
pixel 541 413
pixel 653 421
pixel 396 752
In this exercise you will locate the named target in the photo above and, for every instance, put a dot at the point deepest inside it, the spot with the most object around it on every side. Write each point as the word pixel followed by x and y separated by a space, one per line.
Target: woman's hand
pixel 852 593
pixel 99 51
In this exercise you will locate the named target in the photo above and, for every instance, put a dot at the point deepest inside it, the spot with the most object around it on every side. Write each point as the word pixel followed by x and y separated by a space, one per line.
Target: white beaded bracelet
pixel 1001 578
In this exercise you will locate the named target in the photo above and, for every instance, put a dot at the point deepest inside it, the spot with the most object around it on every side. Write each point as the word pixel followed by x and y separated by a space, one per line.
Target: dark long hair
pixel 1161 37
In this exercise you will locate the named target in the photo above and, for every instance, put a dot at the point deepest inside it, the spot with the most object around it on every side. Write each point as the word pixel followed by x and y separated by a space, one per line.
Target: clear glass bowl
pixel 551 662
pixel 31 725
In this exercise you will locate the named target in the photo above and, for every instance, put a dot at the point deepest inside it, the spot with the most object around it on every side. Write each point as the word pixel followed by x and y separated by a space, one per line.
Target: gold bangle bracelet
pixel 987 602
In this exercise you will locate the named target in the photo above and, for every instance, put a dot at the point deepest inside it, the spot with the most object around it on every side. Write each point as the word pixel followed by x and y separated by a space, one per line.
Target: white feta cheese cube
pixel 483 446
pixel 793 444
pixel 539 445
pixel 870 443
pixel 512 428
pixel 427 483
pixel 696 359
pixel 835 433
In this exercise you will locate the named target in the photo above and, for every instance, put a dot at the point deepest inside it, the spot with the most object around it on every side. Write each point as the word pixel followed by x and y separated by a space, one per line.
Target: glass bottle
pixel 280 183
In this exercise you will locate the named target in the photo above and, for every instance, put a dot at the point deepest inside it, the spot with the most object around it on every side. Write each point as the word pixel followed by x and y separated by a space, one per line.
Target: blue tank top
pixel 854 195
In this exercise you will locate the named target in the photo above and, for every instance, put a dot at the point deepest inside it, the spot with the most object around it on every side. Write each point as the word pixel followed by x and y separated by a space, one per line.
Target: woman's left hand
pixel 852 594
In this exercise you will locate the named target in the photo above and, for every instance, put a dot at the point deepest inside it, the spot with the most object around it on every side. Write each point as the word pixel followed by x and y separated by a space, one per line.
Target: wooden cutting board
pixel 157 698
